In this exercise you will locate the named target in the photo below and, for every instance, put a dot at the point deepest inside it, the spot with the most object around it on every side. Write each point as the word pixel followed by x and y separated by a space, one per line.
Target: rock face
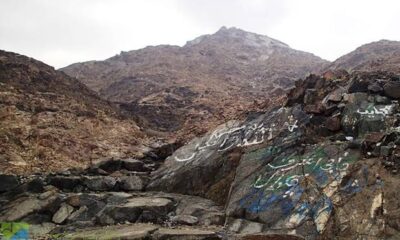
pixel 382 55
pixel 323 165
pixel 49 121
pixel 195 87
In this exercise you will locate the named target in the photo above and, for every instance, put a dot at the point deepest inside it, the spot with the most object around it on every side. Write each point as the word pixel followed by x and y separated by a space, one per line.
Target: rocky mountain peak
pixel 235 35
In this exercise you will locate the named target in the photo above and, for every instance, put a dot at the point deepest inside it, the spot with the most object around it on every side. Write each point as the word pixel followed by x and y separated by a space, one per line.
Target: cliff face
pixel 210 79
pixel 50 121
pixel 382 55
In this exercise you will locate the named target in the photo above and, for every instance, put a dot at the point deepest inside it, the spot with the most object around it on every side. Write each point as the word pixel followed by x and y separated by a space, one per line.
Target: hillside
pixel 383 55
pixel 50 121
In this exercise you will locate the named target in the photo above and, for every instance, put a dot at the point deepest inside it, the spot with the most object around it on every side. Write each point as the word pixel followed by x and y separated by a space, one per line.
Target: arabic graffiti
pixel 282 176
pixel 288 171
pixel 280 190
pixel 241 136
pixel 372 110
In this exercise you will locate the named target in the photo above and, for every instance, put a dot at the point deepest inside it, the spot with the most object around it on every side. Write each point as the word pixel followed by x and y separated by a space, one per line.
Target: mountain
pixel 383 55
pixel 50 121
pixel 192 88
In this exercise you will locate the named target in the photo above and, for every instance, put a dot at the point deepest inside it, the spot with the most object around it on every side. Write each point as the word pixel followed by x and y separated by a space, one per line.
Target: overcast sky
pixel 61 32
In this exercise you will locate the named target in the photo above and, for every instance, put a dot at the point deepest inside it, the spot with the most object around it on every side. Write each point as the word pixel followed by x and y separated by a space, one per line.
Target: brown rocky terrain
pixel 188 90
pixel 383 55
pixel 50 121
pixel 323 165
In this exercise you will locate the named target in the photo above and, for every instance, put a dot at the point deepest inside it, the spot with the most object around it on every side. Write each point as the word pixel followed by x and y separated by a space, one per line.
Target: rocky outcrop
pixel 323 165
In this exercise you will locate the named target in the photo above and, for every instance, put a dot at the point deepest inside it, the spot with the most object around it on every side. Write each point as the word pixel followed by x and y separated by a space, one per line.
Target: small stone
pixel 100 183
pixel 374 137
pixel 375 88
pixel 63 213
pixel 385 151
pixel 149 209
pixel 335 96
pixel 313 108
pixel 64 182
pixel 74 201
pixel 185 219
pixel 75 215
pixel 38 231
pixel 46 195
pixel 382 99
pixel 131 183
pixel 134 165
pixel 333 123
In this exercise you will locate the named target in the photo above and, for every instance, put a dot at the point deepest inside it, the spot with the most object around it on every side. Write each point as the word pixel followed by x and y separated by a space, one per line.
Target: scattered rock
pixel 375 87
pixel 67 183
pixel 131 183
pixel 142 209
pixel 22 207
pixel 63 213
pixel 78 214
pixel 134 165
pixel 333 124
pixel 37 231
pixel 99 183
pixel 184 219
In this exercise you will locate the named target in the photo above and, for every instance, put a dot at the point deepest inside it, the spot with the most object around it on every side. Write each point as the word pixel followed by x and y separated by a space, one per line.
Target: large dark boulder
pixel 8 182
pixel 392 89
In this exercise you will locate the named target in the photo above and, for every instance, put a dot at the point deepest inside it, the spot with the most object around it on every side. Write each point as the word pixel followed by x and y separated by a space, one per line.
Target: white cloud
pixel 61 32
